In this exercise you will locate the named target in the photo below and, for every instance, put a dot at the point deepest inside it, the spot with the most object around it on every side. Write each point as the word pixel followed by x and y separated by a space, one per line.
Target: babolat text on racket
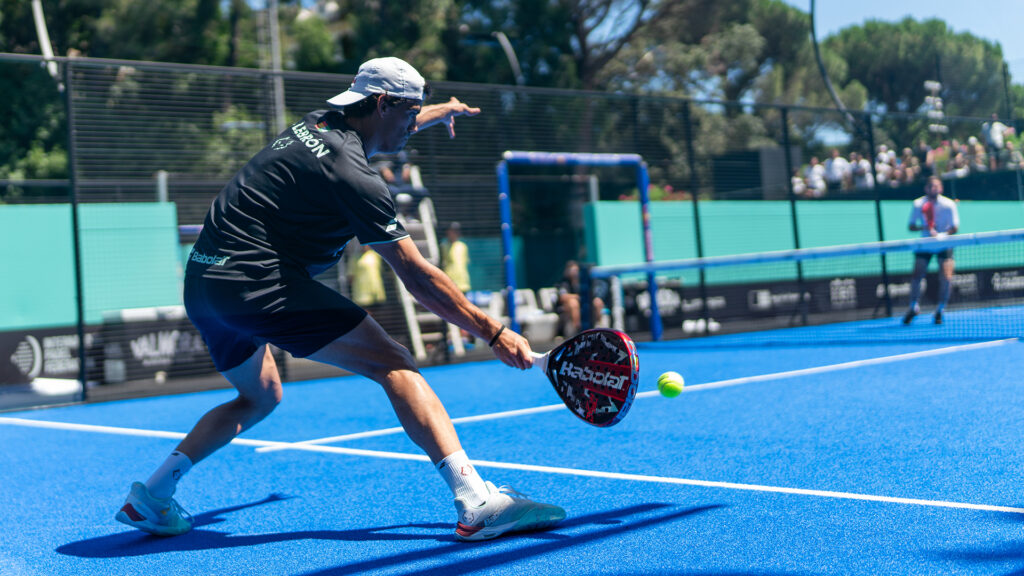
pixel 595 373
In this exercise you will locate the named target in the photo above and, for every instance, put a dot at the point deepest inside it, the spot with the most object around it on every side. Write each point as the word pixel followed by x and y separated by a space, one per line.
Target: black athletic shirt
pixel 292 208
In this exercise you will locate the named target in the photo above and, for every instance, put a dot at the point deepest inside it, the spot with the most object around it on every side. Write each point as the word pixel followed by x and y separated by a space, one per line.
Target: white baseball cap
pixel 391 76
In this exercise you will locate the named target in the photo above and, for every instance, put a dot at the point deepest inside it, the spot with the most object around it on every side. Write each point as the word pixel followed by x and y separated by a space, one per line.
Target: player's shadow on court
pixel 604 525
pixel 132 543
pixel 1007 555
pixel 136 543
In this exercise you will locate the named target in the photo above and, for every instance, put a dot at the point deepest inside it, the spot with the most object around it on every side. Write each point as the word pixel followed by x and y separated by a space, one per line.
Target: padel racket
pixel 595 373
pixel 928 213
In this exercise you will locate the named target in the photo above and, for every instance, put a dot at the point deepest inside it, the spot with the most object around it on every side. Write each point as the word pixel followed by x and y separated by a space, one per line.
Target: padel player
pixel 285 217
pixel 936 216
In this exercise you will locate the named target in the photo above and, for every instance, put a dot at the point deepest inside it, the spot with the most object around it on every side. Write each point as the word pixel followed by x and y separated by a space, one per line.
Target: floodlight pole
pixel 44 41
pixel 275 66
pixel 506 46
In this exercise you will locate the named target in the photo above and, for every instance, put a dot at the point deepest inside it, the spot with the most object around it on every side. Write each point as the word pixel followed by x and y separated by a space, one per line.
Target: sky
pixel 995 20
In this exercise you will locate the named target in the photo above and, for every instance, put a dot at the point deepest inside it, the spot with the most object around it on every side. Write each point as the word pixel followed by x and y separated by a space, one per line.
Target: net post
pixel 618 309
pixel 505 206
pixel 586 296
pixel 643 180
pixel 887 298
pixel 691 162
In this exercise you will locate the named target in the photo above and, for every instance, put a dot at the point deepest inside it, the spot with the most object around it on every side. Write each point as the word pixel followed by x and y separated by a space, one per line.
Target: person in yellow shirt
pixel 367 282
pixel 455 257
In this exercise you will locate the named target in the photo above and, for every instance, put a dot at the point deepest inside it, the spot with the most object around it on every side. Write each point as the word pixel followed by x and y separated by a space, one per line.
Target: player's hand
pixel 514 350
pixel 454 108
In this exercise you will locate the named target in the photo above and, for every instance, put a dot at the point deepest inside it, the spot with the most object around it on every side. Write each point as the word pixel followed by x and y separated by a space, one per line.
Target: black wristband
pixel 495 337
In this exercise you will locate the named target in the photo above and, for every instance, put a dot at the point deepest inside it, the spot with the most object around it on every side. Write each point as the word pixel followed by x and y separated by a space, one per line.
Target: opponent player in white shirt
pixel 936 216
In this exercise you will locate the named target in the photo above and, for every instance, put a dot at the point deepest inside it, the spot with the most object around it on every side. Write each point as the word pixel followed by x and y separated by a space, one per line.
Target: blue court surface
pixel 856 459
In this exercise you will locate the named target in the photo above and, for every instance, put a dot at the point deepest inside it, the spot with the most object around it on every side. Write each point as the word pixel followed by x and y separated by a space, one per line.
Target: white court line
pixel 400 430
pixel 651 393
pixel 179 435
pixel 841 366
pixel 534 468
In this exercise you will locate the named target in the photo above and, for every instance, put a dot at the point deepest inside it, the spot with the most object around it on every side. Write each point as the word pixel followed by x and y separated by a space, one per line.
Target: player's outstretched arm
pixel 433 289
pixel 444 113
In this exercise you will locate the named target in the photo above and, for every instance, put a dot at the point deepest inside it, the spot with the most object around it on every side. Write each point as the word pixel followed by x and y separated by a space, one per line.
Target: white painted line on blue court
pixel 400 430
pixel 24 422
pixel 533 468
pixel 651 393
pixel 747 487
pixel 840 366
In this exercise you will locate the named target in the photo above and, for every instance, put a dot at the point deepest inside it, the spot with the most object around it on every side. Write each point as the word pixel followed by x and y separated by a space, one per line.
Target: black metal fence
pixel 150 132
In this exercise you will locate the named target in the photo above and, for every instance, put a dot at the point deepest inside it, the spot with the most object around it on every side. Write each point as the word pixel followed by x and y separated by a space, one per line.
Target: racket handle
pixel 540 361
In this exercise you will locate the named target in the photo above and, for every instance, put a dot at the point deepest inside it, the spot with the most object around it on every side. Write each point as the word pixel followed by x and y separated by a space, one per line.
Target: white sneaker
pixel 504 511
pixel 154 515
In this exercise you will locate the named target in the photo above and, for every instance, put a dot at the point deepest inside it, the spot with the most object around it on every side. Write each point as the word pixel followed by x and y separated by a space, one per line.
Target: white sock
pixel 163 482
pixel 462 478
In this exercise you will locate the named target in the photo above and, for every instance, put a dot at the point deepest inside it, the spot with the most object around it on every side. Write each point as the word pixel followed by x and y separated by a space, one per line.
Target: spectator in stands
pixel 386 169
pixel 404 168
pixel 909 167
pixel 455 257
pixel 936 217
pixel 994 132
pixel 569 309
pixel 975 155
pixel 957 166
pixel 861 169
pixel 883 154
pixel 249 283
pixel 1010 157
pixel 394 169
pixel 798 184
pixel 837 172
pixel 883 168
pixel 814 175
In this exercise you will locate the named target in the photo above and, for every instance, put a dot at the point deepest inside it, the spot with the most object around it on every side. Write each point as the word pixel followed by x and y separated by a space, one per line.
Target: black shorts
pixel 927 256
pixel 235 317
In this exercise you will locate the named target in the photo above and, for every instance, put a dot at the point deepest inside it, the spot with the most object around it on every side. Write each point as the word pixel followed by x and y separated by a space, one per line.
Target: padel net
pixel 852 293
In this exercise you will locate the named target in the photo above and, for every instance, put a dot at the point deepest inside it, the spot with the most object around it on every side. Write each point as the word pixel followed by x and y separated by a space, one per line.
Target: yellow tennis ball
pixel 670 384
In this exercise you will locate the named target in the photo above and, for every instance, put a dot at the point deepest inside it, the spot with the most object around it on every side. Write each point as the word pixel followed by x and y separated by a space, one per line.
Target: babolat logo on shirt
pixel 315 145
pixel 206 259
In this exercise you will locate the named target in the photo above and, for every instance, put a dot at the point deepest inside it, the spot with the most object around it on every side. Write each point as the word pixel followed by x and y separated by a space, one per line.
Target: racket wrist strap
pixel 495 337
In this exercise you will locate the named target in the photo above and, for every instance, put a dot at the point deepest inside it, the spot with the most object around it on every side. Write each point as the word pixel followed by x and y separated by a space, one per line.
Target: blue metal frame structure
pixel 572 159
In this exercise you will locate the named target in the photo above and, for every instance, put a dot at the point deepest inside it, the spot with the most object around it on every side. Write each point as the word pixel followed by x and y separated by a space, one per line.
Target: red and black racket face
pixel 596 374
pixel 928 211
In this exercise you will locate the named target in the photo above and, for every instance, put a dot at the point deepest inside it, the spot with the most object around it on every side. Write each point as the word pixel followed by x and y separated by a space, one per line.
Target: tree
pixel 559 43
pixel 314 48
pixel 32 122
pixel 750 51
pixel 893 60
pixel 411 30
pixel 187 31
pixel 33 132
